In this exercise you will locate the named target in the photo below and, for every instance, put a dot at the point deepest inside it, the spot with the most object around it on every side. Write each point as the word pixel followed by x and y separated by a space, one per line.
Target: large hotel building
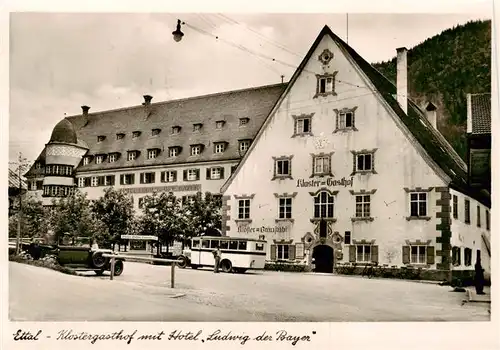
pixel 338 165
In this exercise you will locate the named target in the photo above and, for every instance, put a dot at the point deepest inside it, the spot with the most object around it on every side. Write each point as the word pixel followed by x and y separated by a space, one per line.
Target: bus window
pixel 242 245
pixel 196 243
pixel 233 245
pixel 214 244
pixel 205 243
pixel 259 246
pixel 224 244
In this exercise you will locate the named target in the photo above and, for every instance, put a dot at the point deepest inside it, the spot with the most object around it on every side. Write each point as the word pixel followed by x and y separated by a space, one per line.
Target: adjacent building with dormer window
pixel 182 146
pixel 347 169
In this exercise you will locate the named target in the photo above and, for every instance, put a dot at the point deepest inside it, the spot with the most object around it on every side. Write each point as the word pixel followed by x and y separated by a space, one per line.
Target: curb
pixel 471 299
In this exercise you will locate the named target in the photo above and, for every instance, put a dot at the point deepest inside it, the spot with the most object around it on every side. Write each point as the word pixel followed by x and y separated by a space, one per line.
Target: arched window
pixel 323 205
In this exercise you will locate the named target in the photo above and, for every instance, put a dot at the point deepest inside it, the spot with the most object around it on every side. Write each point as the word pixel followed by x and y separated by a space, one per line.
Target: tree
pixel 163 216
pixel 204 213
pixel 115 210
pixel 34 220
pixel 72 216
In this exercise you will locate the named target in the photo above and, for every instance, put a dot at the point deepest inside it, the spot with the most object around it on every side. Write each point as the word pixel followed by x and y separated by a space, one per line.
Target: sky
pixel 61 61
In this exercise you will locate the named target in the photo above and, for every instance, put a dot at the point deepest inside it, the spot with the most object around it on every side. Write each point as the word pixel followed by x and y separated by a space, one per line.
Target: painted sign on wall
pixel 176 188
pixel 329 181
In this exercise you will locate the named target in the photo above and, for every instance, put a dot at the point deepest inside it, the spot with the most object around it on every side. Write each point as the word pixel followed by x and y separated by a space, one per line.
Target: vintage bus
pixel 237 254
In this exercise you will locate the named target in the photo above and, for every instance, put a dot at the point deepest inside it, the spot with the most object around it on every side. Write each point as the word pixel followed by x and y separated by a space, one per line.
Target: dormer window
pixel 176 130
pixel 113 157
pixel 99 159
pixel 220 147
pixel 153 153
pixel 86 160
pixel 174 151
pixel 196 150
pixel 244 121
pixel 219 124
pixel 38 165
pixel 131 155
pixel 243 145
pixel 136 134
pixel 120 136
pixel 197 127
pixel 101 138
pixel 155 132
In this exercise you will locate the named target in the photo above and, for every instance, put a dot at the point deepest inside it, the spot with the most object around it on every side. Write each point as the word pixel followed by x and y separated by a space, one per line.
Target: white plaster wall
pixel 397 162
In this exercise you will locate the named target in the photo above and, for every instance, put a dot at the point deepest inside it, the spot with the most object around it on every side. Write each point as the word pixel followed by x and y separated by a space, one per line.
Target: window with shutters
pixel 282 167
pixel 416 253
pixel 363 253
pixel 456 256
pixel 487 220
pixel 215 173
pixel 285 208
pixel 282 251
pixel 323 205
pixel 455 207
pixel 243 209
pixel 467 211
pixel 109 180
pixel 127 179
pixel 478 211
pixel 467 257
pixel 81 182
pixel 169 176
pixel 191 175
pixel 302 125
pixel 147 178
pixel 325 85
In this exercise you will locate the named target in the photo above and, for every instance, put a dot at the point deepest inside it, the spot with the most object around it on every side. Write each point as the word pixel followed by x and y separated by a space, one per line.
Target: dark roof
pixel 436 147
pixel 253 103
pixel 480 108
pixel 64 132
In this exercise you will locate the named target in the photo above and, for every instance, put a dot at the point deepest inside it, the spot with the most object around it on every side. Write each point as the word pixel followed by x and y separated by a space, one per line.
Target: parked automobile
pixel 88 259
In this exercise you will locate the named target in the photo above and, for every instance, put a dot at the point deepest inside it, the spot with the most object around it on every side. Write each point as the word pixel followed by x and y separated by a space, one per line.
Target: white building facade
pixel 347 169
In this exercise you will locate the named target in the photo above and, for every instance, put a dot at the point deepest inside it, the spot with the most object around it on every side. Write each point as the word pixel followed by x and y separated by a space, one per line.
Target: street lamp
pixel 178 34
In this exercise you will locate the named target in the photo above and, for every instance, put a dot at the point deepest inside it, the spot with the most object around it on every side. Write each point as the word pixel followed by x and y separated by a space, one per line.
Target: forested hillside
pixel 443 69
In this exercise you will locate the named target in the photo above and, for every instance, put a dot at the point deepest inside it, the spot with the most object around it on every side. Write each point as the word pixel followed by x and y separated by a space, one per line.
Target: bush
pixel 286 266
pixel 49 261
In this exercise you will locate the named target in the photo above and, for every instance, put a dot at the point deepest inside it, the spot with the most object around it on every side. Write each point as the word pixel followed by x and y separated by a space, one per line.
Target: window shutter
pixel 374 253
pixel 291 252
pixel 185 175
pixel 87 181
pixel 273 251
pixel 141 178
pixel 112 180
pixel 352 253
pixel 163 176
pixel 208 173
pixel 132 179
pixel 100 181
pixel 299 250
pixel 221 172
pixel 406 254
pixel 197 174
pixel 289 167
pixel 175 175
pixel 430 255
pixel 153 175
pixel 121 179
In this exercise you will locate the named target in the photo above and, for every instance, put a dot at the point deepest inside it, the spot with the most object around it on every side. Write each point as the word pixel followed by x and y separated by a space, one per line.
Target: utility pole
pixel 21 164
pixel 282 78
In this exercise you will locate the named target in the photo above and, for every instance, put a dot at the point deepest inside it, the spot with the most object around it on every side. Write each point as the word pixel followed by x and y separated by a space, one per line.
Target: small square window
pixel 136 134
pixel 282 167
pixel 86 161
pixel 244 121
pixel 120 136
pixel 302 126
pixel 100 138
pixel 131 155
pixel 94 181
pixel 215 173
pixel 155 132
pixel 192 174
pixel 112 157
pixel 219 124
pixel 243 146
pixel 321 164
pixel 364 162
pixel 195 150
pixel 197 127
pixel 176 130
pixel 173 152
pixel 152 153
pixel 219 147
pixel 99 159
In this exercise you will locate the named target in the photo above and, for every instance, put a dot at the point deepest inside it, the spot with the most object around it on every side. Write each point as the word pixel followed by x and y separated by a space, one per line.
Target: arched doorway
pixel 323 258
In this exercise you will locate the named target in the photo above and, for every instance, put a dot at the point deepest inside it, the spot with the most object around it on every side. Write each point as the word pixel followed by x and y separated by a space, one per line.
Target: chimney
pixel 85 114
pixel 402 78
pixel 147 100
pixel 431 114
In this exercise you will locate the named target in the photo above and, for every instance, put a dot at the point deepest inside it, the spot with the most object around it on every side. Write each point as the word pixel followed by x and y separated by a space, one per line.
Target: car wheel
pixel 98 260
pixel 226 266
pixel 118 268
pixel 182 262
pixel 99 272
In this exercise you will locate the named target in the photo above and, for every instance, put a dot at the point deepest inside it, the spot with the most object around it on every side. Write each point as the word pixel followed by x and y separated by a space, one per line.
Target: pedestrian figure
pixel 217 254
pixel 479 277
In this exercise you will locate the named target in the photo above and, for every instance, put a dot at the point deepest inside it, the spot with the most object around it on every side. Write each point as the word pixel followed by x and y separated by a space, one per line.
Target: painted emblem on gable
pixel 326 56
pixel 321 141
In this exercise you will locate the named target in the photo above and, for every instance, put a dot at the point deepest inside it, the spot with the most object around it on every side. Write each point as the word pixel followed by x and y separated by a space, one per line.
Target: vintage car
pixel 88 259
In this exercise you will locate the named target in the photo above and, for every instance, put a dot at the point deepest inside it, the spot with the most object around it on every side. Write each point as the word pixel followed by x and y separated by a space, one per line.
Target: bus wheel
pixel 182 262
pixel 194 267
pixel 226 266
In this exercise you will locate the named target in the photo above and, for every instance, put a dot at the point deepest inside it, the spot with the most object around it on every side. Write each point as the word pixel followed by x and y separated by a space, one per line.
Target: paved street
pixel 142 293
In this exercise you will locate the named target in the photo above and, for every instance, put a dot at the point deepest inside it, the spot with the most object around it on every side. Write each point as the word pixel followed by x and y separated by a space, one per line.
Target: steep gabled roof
pixel 420 128
pixel 479 113
pixel 253 103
